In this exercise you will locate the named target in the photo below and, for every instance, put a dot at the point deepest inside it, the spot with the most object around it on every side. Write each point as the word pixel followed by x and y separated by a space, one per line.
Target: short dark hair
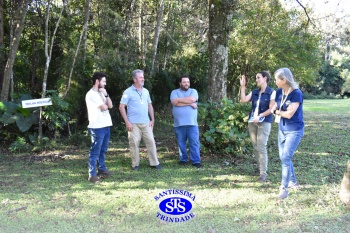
pixel 99 76
pixel 265 74
pixel 183 76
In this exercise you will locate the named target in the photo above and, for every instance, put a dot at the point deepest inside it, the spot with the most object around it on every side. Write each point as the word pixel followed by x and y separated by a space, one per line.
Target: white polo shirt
pixel 97 117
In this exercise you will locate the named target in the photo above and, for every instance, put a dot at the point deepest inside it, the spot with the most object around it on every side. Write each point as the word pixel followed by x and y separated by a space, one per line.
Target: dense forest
pixel 51 49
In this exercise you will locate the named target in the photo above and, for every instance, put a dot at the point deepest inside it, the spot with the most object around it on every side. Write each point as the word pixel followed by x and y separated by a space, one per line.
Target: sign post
pixel 36 103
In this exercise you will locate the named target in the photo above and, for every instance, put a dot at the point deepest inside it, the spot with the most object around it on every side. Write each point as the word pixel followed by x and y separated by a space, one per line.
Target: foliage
pixel 21 122
pixel 334 75
pixel 193 65
pixel 55 115
pixel 19 146
pixel 341 61
pixel 224 128
pixel 323 95
pixel 15 120
pixel 267 37
pixel 329 79
pixel 46 144
pixel 79 139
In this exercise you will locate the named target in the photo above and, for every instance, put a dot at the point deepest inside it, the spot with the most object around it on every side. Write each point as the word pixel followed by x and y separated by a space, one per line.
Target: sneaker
pixel 104 173
pixel 262 178
pixel 158 167
pixel 94 179
pixel 294 185
pixel 182 163
pixel 283 193
pixel 136 168
pixel 198 165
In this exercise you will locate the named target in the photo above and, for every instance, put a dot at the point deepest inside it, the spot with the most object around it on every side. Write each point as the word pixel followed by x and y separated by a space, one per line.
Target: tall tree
pixel 129 18
pixel 160 12
pixel 20 10
pixel 1 40
pixel 82 36
pixel 220 26
pixel 85 30
pixel 48 55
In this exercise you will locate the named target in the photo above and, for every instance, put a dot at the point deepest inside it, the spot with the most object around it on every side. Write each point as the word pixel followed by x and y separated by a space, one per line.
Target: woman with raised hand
pixel 260 117
pixel 289 115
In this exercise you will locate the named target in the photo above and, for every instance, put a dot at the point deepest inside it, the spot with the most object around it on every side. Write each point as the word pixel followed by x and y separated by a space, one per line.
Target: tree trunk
pixel 141 37
pixel 34 64
pixel 143 34
pixel 84 32
pixel 166 37
pixel 220 17
pixel 86 24
pixel 48 54
pixel 344 193
pixel 129 18
pixel 156 34
pixel 20 7
pixel 2 55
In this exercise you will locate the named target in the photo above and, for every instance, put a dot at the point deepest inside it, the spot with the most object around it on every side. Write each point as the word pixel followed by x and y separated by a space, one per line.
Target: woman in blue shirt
pixel 289 115
pixel 260 117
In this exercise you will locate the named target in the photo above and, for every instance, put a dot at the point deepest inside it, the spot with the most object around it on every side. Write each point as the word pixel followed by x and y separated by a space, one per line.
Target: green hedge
pixel 224 127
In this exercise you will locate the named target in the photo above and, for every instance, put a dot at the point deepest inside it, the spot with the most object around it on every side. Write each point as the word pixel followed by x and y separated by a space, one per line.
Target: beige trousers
pixel 145 132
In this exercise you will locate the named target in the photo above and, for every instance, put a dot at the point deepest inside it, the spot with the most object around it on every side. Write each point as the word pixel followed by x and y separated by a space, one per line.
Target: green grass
pixel 43 193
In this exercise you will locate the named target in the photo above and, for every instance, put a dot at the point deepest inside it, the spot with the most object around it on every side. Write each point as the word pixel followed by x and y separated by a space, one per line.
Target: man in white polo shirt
pixel 137 120
pixel 98 102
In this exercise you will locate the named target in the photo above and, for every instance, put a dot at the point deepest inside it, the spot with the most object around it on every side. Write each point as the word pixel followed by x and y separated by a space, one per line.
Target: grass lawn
pixel 50 193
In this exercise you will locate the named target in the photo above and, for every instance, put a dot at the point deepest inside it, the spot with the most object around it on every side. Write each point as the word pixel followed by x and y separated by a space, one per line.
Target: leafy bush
pixel 81 139
pixel 16 121
pixel 56 116
pixel 20 145
pixel 13 113
pixel 19 123
pixel 224 127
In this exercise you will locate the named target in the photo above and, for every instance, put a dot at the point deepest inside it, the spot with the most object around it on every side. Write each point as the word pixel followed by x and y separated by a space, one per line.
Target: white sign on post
pixel 36 103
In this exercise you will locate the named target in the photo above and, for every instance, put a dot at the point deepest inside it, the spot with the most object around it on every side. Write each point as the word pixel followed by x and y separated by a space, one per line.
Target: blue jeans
pixel 288 142
pixel 190 133
pixel 99 146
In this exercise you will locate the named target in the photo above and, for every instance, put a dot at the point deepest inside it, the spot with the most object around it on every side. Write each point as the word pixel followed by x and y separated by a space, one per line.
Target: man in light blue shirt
pixel 137 120
pixel 184 101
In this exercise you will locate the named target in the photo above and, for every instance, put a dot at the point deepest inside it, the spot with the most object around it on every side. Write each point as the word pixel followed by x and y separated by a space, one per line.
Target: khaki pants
pixel 145 132
pixel 259 135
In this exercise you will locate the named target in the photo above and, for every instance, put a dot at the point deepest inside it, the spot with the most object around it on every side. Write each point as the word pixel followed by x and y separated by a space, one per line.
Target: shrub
pixel 20 145
pixel 224 128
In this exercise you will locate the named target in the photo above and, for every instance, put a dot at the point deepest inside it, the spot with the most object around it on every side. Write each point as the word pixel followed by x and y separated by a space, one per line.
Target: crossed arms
pixel 185 101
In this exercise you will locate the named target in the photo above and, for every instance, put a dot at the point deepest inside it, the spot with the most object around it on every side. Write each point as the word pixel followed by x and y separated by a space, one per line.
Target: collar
pixel 135 89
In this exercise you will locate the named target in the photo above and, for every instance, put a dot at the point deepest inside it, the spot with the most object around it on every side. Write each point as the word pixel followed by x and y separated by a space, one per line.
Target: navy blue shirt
pixel 296 122
pixel 264 104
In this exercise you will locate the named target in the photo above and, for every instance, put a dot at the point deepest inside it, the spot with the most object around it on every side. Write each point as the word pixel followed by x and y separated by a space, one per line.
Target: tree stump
pixel 344 193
